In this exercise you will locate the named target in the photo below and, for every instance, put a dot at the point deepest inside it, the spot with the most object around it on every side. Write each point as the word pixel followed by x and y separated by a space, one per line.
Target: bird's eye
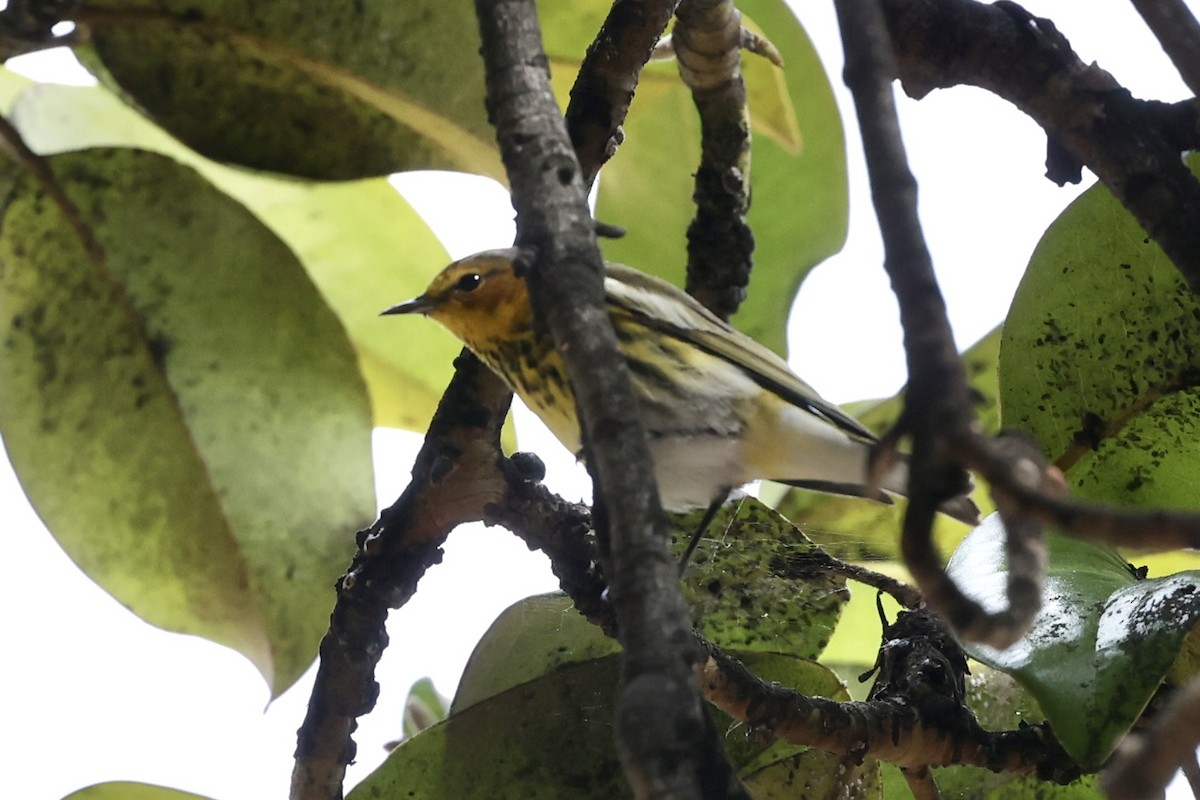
pixel 469 282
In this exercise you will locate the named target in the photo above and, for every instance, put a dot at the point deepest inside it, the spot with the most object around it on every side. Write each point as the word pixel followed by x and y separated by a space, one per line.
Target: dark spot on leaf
pixel 160 346
pixel 1091 431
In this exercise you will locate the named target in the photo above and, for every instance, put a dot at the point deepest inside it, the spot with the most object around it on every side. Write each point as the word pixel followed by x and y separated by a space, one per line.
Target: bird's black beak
pixel 418 305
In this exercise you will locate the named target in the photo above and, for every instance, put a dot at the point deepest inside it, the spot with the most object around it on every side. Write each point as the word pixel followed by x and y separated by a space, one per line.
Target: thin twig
pixel 938 403
pixel 1176 30
pixel 798 566
pixel 921 784
pixel 1145 762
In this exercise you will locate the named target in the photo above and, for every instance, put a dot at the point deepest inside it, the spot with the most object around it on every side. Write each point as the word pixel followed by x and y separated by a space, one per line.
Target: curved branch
pixel 937 402
pixel 891 728
pixel 1025 60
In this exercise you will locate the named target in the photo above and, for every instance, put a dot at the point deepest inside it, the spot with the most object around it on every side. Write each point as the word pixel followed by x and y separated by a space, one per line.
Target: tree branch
pixel 938 408
pixel 456 475
pixel 664 743
pixel 914 718
pixel 607 79
pixel 1025 60
pixel 707 40
pixel 1176 30
pixel 1145 762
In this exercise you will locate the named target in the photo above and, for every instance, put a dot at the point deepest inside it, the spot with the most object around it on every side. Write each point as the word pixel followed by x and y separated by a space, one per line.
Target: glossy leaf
pixel 362 88
pixel 748 586
pixel 183 410
pixel 11 87
pixel 125 790
pixel 978 783
pixel 1101 643
pixel 361 243
pixel 502 745
pixel 533 637
pixel 1099 358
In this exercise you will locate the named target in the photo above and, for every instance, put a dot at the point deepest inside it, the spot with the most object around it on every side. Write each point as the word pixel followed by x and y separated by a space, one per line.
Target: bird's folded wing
pixel 662 307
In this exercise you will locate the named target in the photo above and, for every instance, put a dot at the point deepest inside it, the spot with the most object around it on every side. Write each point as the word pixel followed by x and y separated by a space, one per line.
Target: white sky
pixel 90 693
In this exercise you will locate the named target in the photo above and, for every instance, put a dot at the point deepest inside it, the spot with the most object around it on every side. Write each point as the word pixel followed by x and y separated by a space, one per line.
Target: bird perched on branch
pixel 720 410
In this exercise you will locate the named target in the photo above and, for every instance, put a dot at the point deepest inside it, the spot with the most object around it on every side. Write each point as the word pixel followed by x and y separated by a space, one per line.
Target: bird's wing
pixel 662 307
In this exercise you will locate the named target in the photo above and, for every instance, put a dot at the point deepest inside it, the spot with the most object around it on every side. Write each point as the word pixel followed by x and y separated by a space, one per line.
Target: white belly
pixel 692 471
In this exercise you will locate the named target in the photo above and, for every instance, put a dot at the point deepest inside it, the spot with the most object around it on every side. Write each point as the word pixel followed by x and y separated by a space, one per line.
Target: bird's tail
pixel 895 482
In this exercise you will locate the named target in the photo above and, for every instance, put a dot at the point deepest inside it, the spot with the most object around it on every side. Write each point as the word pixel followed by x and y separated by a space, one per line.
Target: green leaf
pixel 1100 645
pixel 183 411
pixel 367 88
pixel 361 243
pixel 741 600
pixel 533 637
pixel 798 173
pixel 11 86
pixel 983 784
pixel 541 656
pixel 748 587
pixel 362 88
pixel 424 707
pixel 1099 359
pixel 506 745
pixel 509 745
pixel 125 790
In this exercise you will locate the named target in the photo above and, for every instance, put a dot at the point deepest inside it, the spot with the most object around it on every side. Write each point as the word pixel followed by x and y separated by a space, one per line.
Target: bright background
pixel 90 693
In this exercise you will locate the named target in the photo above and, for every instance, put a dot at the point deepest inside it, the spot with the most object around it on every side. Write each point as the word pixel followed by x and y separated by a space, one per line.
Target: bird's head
pixel 478 298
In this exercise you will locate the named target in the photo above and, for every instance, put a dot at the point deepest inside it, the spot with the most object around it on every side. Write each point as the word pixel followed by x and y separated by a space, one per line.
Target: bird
pixel 720 410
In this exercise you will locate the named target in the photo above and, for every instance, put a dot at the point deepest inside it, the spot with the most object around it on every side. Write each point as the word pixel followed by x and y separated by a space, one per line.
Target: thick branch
pixel 915 716
pixel 456 474
pixel 607 79
pixel 1025 60
pixel 707 40
pixel 661 731
pixel 893 729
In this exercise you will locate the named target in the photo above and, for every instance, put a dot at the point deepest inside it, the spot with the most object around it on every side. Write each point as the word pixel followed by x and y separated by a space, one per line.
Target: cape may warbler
pixel 720 409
